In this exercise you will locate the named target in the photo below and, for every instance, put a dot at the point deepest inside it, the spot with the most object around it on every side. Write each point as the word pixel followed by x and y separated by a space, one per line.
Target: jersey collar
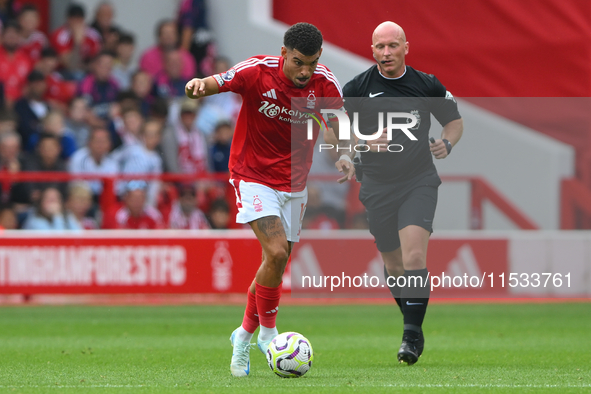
pixel 392 79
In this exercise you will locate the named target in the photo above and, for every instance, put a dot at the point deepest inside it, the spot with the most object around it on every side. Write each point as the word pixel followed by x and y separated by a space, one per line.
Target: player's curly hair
pixel 304 37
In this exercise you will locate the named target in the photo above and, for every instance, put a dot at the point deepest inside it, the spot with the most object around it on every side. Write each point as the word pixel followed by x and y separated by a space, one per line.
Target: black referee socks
pixel 395 290
pixel 415 297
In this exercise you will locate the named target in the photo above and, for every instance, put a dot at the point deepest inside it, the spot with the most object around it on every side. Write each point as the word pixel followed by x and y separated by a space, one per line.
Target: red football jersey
pixel 59 89
pixel 14 70
pixel 34 44
pixel 62 41
pixel 121 219
pixel 264 149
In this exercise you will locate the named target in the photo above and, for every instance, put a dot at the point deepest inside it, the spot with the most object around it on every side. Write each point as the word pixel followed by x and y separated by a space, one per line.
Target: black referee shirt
pixel 415 92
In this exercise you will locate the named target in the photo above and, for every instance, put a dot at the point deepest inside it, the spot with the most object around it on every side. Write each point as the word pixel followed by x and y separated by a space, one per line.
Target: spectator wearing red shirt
pixel 317 215
pixel 152 60
pixel 14 63
pixel 34 40
pixel 135 214
pixel 75 42
pixel 59 91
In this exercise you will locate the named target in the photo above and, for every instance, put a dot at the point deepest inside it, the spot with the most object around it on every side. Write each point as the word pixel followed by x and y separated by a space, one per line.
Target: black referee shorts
pixel 392 207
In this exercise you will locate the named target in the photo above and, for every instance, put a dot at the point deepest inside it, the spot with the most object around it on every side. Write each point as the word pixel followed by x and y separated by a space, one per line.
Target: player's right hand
pixel 195 88
pixel 347 168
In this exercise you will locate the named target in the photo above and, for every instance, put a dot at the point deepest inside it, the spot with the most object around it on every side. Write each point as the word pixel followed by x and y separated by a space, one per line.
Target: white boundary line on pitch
pixel 537 386
pixel 93 386
pixel 420 385
pixel 402 385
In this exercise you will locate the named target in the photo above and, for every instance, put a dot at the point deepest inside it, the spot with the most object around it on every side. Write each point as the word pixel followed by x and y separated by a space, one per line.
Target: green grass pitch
pixel 470 348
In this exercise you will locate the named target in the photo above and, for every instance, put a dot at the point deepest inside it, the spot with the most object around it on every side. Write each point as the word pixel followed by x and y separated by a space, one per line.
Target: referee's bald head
pixel 388 28
pixel 389 47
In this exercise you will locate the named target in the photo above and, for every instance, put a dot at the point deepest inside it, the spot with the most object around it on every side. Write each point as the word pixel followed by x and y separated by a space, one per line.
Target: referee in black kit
pixel 398 178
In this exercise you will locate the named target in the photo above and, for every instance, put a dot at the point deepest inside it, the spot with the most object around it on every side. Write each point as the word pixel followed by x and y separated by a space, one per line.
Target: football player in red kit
pixel 269 164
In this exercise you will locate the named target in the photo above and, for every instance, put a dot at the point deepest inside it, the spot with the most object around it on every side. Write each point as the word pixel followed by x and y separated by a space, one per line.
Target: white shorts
pixel 256 201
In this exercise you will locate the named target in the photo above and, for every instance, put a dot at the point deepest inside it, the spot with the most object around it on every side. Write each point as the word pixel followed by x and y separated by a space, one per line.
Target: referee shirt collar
pixel 403 74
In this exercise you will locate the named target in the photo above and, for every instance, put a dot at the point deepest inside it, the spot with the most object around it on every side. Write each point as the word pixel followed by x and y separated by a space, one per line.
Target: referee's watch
pixel 447 145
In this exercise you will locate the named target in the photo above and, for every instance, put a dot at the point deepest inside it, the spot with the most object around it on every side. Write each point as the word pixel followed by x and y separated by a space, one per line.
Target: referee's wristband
pixel 346 157
pixel 448 145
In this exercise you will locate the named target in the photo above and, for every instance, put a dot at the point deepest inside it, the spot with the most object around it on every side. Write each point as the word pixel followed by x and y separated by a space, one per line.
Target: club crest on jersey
pixel 311 100
pixel 417 115
pixel 229 75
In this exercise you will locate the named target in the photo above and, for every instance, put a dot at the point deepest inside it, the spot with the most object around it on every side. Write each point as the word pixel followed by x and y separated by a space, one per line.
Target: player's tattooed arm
pixel 270 227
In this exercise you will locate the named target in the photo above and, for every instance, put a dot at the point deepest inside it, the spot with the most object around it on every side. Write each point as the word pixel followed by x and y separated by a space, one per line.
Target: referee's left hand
pixel 438 149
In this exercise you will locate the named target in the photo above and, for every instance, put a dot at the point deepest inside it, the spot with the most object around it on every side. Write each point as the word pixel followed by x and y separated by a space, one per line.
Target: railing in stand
pixel 480 191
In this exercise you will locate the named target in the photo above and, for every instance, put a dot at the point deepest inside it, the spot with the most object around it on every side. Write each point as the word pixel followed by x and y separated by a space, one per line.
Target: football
pixel 290 355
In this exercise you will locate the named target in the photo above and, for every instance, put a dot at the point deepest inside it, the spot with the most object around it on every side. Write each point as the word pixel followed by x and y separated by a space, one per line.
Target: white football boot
pixel 240 364
pixel 263 345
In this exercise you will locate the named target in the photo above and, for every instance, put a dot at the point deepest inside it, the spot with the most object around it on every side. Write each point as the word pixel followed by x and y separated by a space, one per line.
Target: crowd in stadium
pixel 76 101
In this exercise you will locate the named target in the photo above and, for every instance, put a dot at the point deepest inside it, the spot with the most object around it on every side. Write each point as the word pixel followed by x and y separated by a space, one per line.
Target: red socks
pixel 261 308
pixel 251 319
pixel 267 304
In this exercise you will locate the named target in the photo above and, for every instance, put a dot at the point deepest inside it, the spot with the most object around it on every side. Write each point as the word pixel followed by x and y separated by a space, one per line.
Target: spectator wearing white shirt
pixel 50 214
pixel 94 159
pixel 191 143
pixel 223 107
pixel 133 121
pixel 79 204
pixel 142 158
pixel 77 123
pixel 184 214
pixel 123 69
